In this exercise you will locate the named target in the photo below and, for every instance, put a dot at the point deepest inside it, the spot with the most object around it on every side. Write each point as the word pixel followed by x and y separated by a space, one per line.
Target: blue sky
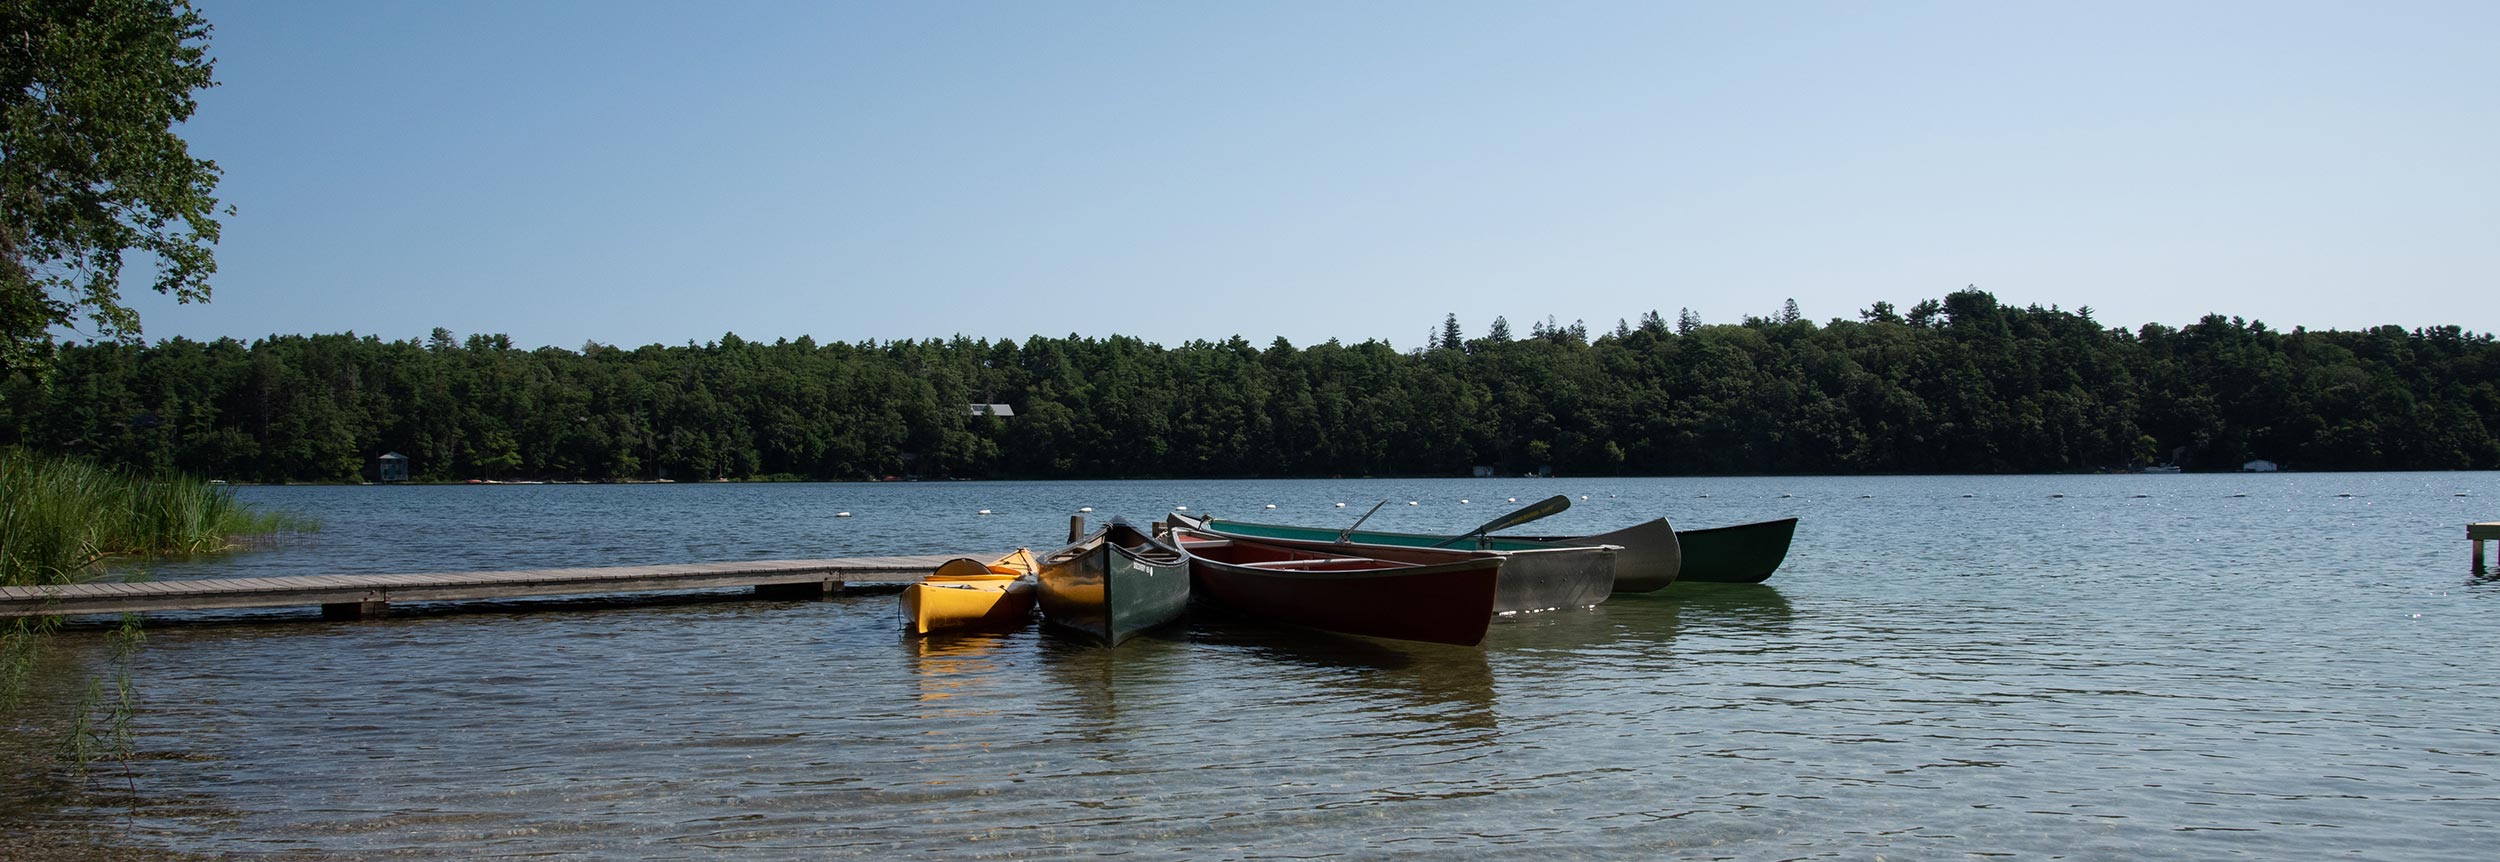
pixel 636 173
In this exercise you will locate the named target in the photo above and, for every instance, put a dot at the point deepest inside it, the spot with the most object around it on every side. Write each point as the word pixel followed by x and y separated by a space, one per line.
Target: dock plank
pixel 307 590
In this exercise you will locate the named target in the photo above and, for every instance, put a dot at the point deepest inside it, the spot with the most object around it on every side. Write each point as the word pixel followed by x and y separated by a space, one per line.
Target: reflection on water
pixel 1758 608
pixel 2097 675
pixel 954 670
pixel 1436 686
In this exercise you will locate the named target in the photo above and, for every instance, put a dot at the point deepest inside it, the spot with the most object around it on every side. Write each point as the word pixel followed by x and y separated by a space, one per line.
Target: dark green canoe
pixel 1742 554
pixel 1114 583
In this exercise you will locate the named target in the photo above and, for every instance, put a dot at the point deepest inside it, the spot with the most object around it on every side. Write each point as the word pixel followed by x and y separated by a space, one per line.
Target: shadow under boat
pixel 1751 606
pixel 1095 686
pixel 1447 684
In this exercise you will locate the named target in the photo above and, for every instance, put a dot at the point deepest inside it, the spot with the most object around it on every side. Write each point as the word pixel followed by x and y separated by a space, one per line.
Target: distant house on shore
pixel 999 410
pixel 391 467
pixel 2260 465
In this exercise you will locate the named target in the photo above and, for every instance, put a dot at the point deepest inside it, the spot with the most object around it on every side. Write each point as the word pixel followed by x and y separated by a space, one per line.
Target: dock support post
pixel 2477 534
pixel 354 610
pixel 800 591
pixel 1076 528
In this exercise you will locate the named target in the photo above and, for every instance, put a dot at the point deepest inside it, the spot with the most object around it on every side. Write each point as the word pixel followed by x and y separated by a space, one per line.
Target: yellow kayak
pixel 968 594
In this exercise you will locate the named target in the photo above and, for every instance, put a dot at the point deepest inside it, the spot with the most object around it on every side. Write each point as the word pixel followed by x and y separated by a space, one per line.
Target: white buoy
pixel 841 514
pixel 1180 508
pixel 1512 500
pixel 1341 505
pixel 1413 503
pixel 1084 508
pixel 1584 496
pixel 1462 501
pixel 1271 505
pixel 982 512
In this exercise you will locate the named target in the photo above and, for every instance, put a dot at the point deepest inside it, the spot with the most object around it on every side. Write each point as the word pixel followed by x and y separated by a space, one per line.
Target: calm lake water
pixel 2287 666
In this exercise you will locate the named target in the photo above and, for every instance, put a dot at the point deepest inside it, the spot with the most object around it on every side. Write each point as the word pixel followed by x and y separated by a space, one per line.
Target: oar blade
pixel 1553 505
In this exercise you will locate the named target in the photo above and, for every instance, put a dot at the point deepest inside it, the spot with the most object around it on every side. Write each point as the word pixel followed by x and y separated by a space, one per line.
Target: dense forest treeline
pixel 1961 385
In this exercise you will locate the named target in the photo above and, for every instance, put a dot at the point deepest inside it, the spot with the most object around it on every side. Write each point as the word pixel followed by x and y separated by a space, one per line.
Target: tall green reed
pixel 61 516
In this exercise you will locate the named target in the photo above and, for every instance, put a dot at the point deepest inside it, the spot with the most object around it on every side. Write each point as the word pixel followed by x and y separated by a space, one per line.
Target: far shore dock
pixel 355 596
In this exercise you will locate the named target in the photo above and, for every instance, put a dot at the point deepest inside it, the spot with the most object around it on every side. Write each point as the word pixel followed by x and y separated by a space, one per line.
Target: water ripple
pixel 2098 676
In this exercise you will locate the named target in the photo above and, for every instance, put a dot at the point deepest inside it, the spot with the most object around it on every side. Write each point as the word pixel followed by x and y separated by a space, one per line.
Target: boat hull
pixel 1113 584
pixel 966 594
pixel 1650 558
pixel 1541 579
pixel 1450 602
pixel 1742 554
pixel 1535 576
pixel 929 607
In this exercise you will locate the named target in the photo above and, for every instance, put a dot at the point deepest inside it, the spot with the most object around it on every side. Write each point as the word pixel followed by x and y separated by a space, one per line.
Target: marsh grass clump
pixel 61 516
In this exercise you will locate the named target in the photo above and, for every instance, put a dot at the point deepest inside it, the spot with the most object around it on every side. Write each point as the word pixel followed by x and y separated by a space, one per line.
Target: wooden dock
pixel 351 596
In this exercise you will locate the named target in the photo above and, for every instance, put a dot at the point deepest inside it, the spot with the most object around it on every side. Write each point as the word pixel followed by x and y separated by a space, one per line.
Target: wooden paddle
pixel 1541 508
pixel 1345 537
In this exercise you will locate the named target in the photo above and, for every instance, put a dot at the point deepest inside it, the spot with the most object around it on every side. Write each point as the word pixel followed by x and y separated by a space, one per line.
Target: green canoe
pixel 1742 554
pixel 1113 584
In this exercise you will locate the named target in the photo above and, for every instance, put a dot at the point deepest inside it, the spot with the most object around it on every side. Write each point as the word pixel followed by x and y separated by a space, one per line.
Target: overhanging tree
pixel 91 169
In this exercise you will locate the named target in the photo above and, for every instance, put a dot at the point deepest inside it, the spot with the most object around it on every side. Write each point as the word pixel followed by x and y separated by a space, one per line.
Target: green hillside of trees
pixel 1961 385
